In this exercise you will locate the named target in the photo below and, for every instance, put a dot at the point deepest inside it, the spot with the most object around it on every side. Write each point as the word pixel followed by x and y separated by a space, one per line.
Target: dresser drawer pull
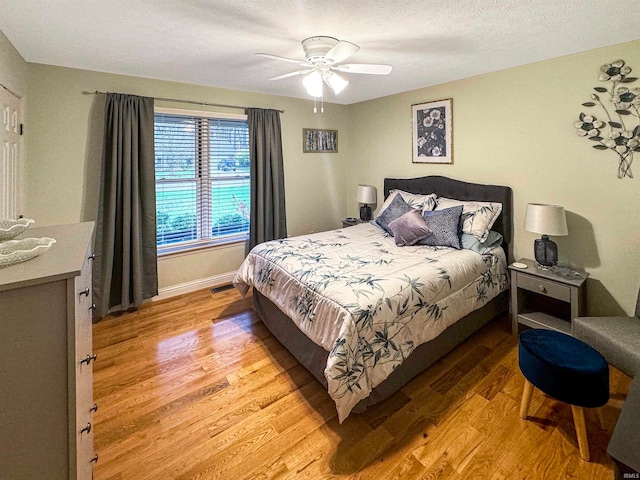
pixel 541 288
pixel 88 359
pixel 92 307
pixel 86 429
pixel 85 292
pixel 94 409
pixel 94 459
pixel 91 257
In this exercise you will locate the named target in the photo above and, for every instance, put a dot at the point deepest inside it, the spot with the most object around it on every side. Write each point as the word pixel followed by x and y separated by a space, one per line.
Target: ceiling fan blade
pixel 292 74
pixel 368 68
pixel 283 59
pixel 341 51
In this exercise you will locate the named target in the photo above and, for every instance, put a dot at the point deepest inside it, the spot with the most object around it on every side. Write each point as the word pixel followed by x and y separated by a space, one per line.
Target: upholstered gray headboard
pixel 448 187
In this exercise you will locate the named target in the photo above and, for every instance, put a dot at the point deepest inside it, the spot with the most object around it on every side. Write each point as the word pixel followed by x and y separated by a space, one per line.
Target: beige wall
pixel 13 68
pixel 516 127
pixel 65 145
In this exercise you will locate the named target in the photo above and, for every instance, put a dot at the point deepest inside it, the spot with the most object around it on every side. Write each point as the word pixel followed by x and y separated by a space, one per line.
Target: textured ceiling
pixel 213 42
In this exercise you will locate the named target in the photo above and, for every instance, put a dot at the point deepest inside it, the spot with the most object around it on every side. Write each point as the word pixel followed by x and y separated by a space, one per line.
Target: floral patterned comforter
pixel 368 302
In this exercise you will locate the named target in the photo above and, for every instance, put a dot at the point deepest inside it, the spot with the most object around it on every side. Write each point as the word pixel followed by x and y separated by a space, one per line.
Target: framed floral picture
pixel 432 132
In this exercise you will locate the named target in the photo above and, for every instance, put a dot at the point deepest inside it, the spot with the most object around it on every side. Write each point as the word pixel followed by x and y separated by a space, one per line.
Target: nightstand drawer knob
pixel 85 292
pixel 86 429
pixel 94 409
pixel 94 459
pixel 91 257
pixel 541 288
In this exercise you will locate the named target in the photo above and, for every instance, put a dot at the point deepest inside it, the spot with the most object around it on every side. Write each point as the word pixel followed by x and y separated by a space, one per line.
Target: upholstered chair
pixel 618 340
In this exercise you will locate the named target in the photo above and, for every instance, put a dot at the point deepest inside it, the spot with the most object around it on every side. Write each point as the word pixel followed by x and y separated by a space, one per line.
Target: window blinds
pixel 202 178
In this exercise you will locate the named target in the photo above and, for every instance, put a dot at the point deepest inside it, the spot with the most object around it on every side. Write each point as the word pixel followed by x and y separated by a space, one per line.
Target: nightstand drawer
pixel 544 287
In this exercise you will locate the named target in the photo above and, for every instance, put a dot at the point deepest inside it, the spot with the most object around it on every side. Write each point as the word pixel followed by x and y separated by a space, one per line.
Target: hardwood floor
pixel 196 387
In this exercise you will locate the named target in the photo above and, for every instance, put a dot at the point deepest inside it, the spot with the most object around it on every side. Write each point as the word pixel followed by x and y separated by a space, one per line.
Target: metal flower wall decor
pixel 621 131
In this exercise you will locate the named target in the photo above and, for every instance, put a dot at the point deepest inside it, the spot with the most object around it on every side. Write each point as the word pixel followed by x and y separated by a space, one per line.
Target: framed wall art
pixel 319 141
pixel 432 132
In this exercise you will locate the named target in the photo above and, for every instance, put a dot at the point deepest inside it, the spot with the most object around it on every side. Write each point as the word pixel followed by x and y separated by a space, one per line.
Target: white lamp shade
pixel 546 219
pixel 313 84
pixel 366 194
pixel 336 82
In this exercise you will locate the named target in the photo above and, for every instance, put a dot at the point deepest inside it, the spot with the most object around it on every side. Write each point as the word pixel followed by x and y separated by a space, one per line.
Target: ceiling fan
pixel 323 57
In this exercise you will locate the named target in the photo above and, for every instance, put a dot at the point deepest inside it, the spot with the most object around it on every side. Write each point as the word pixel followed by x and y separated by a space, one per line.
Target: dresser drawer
pixel 544 287
pixel 84 450
pixel 83 314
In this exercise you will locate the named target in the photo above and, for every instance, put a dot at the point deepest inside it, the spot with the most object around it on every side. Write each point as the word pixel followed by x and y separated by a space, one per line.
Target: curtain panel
pixel 125 270
pixel 268 213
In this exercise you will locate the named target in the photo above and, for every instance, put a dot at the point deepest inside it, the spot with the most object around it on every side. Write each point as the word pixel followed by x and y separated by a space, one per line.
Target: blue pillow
pixel 396 209
pixel 445 227
pixel 471 242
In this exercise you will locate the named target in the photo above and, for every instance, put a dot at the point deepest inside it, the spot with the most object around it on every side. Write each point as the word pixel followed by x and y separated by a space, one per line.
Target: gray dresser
pixel 46 360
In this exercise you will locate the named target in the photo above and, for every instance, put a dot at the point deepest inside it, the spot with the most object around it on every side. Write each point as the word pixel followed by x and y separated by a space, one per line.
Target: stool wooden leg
pixel 526 399
pixel 600 415
pixel 581 431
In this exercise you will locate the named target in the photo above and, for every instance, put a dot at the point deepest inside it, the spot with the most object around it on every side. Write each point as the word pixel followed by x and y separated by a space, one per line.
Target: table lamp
pixel 546 220
pixel 366 194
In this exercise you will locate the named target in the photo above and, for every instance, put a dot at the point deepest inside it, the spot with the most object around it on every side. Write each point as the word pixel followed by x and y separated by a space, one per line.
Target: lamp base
pixel 545 251
pixel 365 213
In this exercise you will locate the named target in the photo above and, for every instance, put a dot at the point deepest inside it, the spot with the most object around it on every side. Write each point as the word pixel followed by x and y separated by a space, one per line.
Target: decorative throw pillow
pixel 424 203
pixel 477 217
pixel 409 228
pixel 396 208
pixel 444 226
pixel 469 242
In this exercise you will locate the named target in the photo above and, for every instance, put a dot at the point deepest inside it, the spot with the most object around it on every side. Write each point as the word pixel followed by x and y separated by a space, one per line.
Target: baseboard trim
pixel 192 286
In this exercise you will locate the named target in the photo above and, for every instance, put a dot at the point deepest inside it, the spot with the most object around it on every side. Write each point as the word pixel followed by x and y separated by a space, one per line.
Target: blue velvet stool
pixel 566 369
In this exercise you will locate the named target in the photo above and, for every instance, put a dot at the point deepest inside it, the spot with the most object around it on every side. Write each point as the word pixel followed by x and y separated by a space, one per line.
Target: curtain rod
pixel 207 104
pixel 11 91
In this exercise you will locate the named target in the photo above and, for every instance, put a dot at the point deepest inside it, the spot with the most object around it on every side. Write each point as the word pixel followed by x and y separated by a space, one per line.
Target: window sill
pixel 197 246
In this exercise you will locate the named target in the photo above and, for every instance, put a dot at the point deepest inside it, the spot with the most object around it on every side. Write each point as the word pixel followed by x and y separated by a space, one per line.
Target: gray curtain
pixel 268 218
pixel 125 269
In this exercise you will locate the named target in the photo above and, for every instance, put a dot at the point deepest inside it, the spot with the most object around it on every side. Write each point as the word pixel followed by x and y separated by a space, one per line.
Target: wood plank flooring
pixel 196 387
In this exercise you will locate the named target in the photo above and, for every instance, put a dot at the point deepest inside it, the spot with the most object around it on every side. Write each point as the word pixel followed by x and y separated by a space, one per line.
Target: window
pixel 202 179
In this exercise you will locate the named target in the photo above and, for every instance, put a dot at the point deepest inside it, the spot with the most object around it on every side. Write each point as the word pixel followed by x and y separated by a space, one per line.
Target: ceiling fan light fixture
pixel 336 82
pixel 313 84
pixel 323 57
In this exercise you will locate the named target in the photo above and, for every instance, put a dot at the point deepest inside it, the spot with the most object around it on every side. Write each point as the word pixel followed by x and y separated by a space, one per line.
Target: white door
pixel 11 162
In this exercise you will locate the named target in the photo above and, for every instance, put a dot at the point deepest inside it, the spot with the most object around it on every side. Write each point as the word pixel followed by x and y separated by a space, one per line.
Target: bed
pixel 355 310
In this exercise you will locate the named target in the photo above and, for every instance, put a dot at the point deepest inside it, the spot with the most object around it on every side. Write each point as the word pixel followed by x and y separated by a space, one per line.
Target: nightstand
pixel 544 299
pixel 350 223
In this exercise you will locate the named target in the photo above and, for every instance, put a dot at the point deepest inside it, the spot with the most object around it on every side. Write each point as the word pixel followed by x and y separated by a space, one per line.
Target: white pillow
pixel 424 203
pixel 477 217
